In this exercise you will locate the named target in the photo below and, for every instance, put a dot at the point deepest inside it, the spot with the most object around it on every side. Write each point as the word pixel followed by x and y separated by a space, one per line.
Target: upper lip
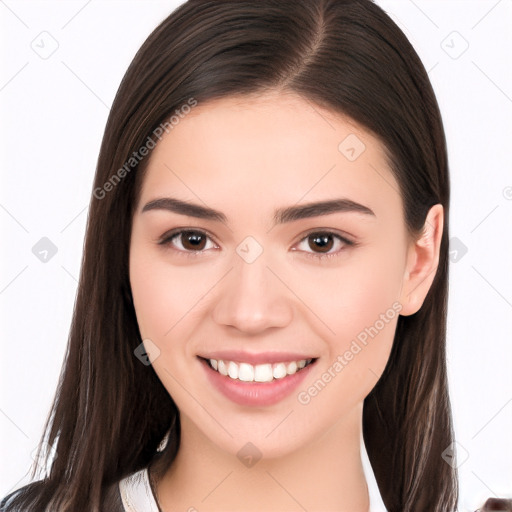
pixel 256 358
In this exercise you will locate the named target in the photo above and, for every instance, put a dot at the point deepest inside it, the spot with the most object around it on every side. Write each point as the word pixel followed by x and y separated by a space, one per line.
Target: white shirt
pixel 137 495
pixel 376 503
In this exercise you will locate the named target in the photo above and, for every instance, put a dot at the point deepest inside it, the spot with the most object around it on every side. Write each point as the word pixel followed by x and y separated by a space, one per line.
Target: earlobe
pixel 422 262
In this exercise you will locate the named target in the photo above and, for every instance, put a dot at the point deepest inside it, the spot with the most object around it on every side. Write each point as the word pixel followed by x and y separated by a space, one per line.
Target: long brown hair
pixel 110 411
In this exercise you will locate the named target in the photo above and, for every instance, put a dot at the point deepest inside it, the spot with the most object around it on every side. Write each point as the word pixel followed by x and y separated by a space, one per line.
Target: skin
pixel 246 157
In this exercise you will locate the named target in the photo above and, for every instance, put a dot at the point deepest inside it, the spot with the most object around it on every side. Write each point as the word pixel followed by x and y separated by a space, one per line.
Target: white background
pixel 53 113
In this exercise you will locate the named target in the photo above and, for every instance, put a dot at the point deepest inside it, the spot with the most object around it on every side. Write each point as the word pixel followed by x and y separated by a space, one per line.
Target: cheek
pixel 352 296
pixel 163 295
pixel 359 306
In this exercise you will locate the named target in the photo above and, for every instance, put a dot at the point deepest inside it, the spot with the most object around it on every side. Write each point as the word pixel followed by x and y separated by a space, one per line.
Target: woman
pixel 265 274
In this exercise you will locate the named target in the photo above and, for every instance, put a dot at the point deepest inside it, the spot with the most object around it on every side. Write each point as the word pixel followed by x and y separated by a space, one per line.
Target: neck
pixel 326 474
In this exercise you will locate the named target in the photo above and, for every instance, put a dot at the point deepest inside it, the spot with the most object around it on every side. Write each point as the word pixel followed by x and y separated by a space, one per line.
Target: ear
pixel 422 262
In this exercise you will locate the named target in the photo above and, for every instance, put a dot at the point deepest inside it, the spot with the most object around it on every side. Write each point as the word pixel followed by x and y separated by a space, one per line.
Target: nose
pixel 252 299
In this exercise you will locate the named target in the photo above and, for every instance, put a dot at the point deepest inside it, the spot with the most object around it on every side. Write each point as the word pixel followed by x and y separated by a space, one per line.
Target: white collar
pixel 376 503
pixel 136 493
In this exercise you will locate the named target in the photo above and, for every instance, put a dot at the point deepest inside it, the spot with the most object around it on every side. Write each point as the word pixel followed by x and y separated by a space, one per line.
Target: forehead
pixel 277 148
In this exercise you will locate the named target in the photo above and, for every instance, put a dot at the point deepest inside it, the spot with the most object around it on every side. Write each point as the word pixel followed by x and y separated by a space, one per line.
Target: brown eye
pixel 323 244
pixel 192 240
pixel 320 242
pixel 188 241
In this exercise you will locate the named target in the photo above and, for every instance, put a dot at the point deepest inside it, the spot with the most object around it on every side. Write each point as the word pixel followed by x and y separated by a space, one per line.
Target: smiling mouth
pixel 267 372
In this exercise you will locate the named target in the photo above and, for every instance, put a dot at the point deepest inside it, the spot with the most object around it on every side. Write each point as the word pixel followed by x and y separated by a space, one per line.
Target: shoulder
pixel 132 493
pixel 496 504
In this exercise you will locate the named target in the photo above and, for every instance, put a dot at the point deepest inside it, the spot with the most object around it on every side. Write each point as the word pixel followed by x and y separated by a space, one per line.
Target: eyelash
pixel 168 237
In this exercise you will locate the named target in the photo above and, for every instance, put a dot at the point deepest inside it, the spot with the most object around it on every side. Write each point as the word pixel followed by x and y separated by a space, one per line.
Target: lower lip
pixel 255 393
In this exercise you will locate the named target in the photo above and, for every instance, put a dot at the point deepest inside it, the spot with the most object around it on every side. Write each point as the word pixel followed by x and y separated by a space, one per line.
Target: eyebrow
pixel 281 215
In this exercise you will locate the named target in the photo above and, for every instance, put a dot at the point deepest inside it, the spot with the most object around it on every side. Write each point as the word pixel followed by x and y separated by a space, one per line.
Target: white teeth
pixel 233 370
pixel 263 373
pixel 279 371
pixel 257 373
pixel 291 368
pixel 246 372
pixel 222 367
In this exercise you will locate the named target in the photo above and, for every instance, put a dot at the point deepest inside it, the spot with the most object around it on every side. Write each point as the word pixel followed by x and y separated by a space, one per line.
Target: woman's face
pixel 293 247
